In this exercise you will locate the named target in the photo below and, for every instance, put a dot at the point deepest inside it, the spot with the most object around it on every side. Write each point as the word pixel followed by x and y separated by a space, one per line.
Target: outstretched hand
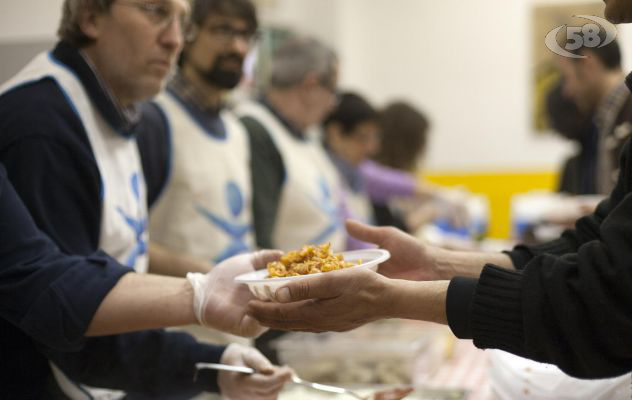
pixel 410 259
pixel 334 301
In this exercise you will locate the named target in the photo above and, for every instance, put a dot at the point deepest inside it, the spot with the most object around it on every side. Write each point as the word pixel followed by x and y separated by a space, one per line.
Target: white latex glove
pixel 220 303
pixel 264 385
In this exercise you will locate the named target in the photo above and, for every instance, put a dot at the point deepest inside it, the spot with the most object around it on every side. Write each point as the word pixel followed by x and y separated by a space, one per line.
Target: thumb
pixel 313 288
pixel 251 328
pixel 364 232
pixel 257 361
pixel 261 258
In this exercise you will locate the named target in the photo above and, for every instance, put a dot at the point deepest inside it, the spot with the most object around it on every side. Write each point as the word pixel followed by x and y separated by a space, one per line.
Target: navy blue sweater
pixel 49 161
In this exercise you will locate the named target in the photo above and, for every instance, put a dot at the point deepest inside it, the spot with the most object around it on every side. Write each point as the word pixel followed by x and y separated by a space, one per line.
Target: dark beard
pixel 224 78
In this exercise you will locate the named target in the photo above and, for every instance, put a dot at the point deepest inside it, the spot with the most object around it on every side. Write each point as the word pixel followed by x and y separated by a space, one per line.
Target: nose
pixel 172 37
pixel 240 44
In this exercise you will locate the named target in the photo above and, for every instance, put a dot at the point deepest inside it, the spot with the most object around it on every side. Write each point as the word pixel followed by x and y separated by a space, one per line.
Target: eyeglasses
pixel 227 34
pixel 161 15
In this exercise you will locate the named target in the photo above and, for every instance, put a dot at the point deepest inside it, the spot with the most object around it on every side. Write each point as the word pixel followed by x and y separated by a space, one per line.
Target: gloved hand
pixel 220 303
pixel 264 385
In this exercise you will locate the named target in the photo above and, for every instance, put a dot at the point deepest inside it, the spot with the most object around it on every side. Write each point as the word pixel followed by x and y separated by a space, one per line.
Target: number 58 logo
pixel 586 36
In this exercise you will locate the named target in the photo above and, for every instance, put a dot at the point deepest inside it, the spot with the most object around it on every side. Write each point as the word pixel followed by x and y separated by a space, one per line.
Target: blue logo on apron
pixel 327 205
pixel 139 226
pixel 235 230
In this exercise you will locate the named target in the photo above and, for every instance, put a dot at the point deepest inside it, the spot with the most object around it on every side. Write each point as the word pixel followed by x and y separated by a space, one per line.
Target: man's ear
pixel 90 23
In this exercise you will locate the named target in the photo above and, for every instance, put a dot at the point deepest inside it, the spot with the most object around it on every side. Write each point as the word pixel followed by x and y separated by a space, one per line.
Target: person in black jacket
pixel 567 302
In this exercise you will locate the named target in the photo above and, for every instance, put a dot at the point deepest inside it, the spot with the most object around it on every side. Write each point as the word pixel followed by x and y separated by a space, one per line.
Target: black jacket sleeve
pixel 571 310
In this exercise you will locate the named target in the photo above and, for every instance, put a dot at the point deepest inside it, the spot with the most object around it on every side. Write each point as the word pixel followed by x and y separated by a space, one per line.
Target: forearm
pixel 163 261
pixel 140 302
pixel 452 263
pixel 424 301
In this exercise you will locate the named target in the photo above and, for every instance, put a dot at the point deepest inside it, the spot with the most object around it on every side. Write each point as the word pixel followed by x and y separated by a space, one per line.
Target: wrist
pixel 423 301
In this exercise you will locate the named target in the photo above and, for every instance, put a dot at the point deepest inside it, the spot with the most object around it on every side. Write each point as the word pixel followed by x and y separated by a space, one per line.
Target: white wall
pixel 466 63
pixel 29 20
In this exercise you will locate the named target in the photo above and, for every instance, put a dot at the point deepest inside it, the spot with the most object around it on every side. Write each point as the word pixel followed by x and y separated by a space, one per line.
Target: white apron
pixel 123 232
pixel 309 210
pixel 206 208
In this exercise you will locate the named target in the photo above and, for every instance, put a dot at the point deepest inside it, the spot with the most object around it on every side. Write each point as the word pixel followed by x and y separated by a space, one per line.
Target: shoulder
pixel 39 109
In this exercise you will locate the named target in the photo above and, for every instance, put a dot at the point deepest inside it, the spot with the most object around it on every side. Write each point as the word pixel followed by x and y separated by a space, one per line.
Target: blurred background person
pixel 296 190
pixel 351 136
pixel 578 175
pixel 404 140
pixel 596 84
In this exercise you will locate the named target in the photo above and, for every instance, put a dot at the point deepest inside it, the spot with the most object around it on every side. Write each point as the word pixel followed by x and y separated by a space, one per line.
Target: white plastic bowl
pixel 264 288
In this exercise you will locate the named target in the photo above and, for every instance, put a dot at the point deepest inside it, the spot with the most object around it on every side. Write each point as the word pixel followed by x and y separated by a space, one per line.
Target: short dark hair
pixel 351 111
pixel 242 9
pixel 404 136
pixel 609 55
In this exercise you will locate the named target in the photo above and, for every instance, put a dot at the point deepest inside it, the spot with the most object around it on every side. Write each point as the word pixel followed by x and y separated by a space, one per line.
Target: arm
pixel 128 361
pixel 46 294
pixel 571 310
pixel 139 302
pixel 414 260
pixel 268 176
pixel 383 183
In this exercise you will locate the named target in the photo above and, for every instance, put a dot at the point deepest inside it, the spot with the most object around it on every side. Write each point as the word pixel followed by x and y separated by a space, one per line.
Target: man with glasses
pixel 205 207
pixel 68 124
pixel 296 196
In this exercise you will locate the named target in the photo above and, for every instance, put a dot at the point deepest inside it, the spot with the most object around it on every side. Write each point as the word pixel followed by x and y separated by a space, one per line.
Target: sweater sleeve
pixel 49 296
pixel 268 177
pixel 572 310
pixel 152 364
pixel 586 230
pixel 383 183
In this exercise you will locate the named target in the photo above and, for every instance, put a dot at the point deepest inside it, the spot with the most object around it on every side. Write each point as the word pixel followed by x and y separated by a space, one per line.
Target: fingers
pixel 250 328
pixel 320 287
pixel 292 316
pixel 261 258
pixel 364 232
pixel 255 360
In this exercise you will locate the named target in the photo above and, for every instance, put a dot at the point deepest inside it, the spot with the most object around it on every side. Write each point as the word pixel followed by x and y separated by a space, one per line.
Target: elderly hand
pixel 410 259
pixel 220 302
pixel 334 301
pixel 263 385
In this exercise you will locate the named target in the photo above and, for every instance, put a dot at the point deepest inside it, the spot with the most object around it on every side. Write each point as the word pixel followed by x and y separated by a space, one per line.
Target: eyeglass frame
pixel 151 10
pixel 227 34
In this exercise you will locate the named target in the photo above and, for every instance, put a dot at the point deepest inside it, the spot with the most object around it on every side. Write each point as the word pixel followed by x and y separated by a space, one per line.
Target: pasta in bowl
pixel 295 266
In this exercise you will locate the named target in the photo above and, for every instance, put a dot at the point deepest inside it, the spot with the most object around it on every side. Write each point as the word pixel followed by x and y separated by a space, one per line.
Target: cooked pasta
pixel 308 260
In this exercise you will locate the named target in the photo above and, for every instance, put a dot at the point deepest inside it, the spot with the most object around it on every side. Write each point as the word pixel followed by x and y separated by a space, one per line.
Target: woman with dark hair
pixel 404 138
pixel 352 135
